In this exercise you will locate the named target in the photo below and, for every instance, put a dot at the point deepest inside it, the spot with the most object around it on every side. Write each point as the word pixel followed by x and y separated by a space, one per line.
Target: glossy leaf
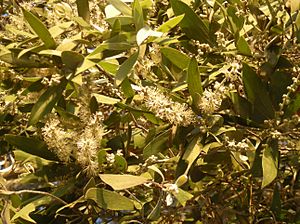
pixel 105 99
pixel 83 9
pixel 138 15
pixel 167 26
pixel 121 6
pixel 269 165
pixel 194 81
pixel 121 182
pixel 109 199
pixel 176 57
pixel 46 102
pixel 243 47
pixel 125 68
pixel 192 152
pixel 39 28
pixel 146 32
pixel 31 145
pixel 156 145
pixel 182 196
pixel 72 59
pixel 193 26
pixel 294 5
pixel 257 93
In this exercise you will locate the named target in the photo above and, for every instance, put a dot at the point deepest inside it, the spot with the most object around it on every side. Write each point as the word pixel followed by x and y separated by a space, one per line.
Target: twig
pixel 4 192
pixel 137 124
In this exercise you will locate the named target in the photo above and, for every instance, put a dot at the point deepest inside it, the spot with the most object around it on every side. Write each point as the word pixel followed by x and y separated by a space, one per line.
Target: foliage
pixel 149 111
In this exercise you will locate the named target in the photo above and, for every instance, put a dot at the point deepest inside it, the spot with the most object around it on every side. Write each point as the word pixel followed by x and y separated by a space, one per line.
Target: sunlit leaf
pixel 46 102
pixel 243 47
pixel 83 9
pixel 146 32
pixel 39 28
pixel 121 182
pixel 182 196
pixel 105 99
pixel 121 6
pixel 194 80
pixel 176 57
pixel 191 24
pixel 125 68
pixel 138 15
pixel 109 199
pixel 167 26
pixel 269 164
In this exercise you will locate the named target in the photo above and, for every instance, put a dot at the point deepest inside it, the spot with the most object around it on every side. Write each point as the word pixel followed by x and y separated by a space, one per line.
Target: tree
pixel 149 112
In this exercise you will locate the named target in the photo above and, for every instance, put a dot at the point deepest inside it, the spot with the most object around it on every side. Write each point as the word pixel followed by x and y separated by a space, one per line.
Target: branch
pixel 4 192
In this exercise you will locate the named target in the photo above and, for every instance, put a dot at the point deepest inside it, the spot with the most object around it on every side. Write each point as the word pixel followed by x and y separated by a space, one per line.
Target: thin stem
pixel 4 192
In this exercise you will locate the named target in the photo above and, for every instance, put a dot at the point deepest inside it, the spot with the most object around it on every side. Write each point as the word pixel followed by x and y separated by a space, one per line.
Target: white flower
pixel 167 109
pixel 169 199
pixel 171 188
pixel 110 158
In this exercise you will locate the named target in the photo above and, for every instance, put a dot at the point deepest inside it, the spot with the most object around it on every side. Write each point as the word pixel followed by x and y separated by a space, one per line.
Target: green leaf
pixel 276 201
pixel 257 93
pixel 127 89
pixel 167 26
pixel 120 164
pixel 294 5
pixel 24 213
pixel 121 182
pixel 46 102
pixel 109 66
pixel 176 57
pixel 15 31
pixel 241 105
pixel 236 23
pixel 83 9
pixel 138 16
pixel 269 164
pixel 125 68
pixel 121 6
pixel 72 59
pixel 182 196
pixel 243 47
pixel 31 145
pixel 85 65
pixel 194 81
pixel 155 169
pixel 39 28
pixel 156 145
pixel 124 20
pixel 105 99
pixel 109 199
pixel 34 202
pixel 193 26
pixel 294 106
pixel 191 153
pixel 60 28
pixel 146 32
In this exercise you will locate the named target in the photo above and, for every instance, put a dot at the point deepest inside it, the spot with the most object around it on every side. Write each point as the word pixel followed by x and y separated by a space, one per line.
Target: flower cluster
pixel 58 139
pixel 167 109
pixel 81 144
pixel 211 99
